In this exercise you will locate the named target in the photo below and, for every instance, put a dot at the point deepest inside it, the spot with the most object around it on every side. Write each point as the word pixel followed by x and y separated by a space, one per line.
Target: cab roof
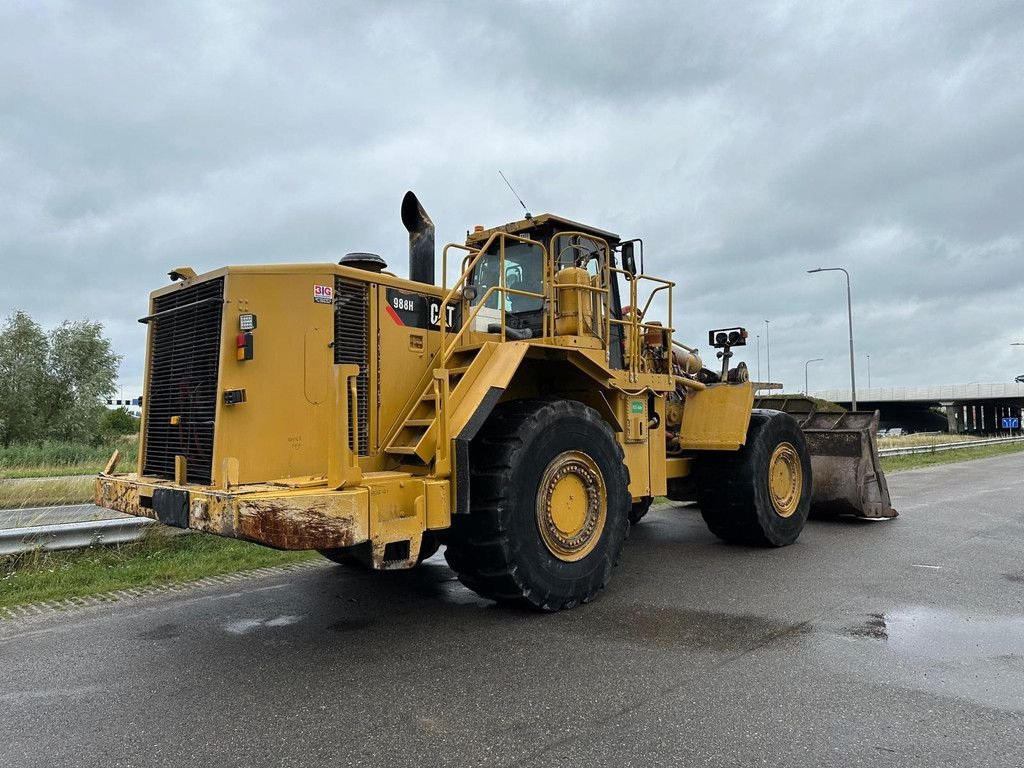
pixel 547 221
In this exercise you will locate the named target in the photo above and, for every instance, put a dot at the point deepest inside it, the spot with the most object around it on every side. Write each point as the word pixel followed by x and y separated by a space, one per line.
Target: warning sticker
pixel 323 294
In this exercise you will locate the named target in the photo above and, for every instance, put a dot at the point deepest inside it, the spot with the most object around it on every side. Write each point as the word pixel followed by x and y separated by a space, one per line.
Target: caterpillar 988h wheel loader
pixel 522 416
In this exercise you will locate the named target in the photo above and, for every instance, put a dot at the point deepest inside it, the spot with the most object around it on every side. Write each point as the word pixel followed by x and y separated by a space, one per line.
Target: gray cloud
pixel 744 142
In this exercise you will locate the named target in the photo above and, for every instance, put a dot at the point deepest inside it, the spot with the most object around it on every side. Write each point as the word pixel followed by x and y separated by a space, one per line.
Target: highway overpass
pixel 973 407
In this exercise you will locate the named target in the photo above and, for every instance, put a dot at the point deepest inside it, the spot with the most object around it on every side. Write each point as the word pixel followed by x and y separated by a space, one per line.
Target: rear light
pixel 244 344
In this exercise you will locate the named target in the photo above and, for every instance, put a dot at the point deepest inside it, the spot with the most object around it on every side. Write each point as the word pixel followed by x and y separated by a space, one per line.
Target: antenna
pixel 528 214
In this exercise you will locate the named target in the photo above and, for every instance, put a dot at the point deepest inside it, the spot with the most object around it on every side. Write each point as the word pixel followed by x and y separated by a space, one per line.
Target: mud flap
pixel 171 507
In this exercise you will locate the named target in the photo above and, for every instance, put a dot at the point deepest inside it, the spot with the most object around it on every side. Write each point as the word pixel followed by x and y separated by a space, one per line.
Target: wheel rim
pixel 572 506
pixel 785 479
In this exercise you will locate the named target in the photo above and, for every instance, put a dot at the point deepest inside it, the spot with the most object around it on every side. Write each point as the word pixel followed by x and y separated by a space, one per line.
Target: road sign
pixel 1011 422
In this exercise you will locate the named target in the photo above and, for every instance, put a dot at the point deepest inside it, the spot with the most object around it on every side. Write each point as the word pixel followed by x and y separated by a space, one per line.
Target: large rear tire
pixel 548 506
pixel 761 494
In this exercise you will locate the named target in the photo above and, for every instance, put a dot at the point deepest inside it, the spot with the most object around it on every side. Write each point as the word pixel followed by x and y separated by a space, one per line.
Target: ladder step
pixel 417 430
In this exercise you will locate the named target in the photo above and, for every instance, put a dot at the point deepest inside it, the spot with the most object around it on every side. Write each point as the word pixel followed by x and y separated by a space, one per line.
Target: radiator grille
pixel 183 369
pixel 351 345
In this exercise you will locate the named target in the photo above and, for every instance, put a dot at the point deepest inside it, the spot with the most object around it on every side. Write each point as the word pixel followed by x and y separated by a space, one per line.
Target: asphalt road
pixel 898 643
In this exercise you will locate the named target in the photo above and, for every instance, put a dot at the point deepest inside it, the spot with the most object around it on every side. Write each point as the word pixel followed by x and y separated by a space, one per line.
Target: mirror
pixel 628 259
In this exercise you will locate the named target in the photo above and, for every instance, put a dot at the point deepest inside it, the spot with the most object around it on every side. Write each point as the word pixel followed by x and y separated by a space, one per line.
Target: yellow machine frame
pixel 286 469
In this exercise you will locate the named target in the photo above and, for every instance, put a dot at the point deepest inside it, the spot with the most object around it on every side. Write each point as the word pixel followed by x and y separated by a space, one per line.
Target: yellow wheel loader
pixel 524 415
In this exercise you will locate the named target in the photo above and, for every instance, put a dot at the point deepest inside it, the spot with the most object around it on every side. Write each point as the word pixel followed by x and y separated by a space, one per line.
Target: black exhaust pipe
pixel 421 240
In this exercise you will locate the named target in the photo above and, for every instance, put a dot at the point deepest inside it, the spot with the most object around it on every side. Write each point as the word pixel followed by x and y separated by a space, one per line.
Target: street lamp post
pixel 768 346
pixel 1020 412
pixel 807 389
pixel 869 372
pixel 759 357
pixel 849 315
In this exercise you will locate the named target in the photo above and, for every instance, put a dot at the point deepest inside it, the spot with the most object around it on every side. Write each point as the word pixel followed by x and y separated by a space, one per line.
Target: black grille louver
pixel 183 370
pixel 351 345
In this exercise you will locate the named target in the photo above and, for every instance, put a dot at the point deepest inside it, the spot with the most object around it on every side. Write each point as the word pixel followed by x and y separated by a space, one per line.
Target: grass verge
pixel 52 470
pixel 159 558
pixel 52 459
pixel 45 492
pixel 915 461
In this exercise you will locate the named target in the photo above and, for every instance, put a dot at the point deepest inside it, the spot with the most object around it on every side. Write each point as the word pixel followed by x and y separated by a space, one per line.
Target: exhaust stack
pixel 421 240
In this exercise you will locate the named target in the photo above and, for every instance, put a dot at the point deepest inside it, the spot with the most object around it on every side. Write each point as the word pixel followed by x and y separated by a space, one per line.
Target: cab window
pixel 524 271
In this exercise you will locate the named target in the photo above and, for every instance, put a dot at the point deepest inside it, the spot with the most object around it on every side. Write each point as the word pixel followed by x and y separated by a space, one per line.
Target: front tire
pixel 548 506
pixel 761 494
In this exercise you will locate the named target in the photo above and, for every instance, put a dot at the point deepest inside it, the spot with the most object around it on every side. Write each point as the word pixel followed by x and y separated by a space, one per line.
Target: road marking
pixel 926 565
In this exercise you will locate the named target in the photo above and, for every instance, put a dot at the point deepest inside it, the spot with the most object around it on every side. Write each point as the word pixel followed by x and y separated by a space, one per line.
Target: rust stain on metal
pixel 291 527
pixel 121 495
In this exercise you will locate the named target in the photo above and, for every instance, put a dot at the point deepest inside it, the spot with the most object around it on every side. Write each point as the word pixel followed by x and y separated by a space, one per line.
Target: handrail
pixel 653 293
pixel 549 295
pixel 447 350
pixel 600 300
pixel 476 310
pixel 605 275
pixel 444 261
pixel 158 315
pixel 633 324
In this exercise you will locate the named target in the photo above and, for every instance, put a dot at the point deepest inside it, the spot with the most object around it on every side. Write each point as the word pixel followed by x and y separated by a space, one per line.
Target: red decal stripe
pixel 394 315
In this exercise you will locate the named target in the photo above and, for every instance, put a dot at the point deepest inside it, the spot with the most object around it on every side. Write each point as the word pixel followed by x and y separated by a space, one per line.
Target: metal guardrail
pixel 72 535
pixel 910 450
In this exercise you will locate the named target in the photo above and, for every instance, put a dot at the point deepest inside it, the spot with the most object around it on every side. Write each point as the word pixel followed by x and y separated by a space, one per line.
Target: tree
pixel 82 370
pixel 23 348
pixel 52 386
pixel 119 421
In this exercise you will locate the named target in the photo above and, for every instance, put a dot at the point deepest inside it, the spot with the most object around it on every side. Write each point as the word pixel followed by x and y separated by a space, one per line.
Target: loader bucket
pixel 847 476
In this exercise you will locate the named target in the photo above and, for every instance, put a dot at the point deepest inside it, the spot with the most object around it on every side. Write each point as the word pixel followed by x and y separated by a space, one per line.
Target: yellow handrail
pixel 447 350
pixel 483 300
pixel 633 323
pixel 549 297
pixel 605 276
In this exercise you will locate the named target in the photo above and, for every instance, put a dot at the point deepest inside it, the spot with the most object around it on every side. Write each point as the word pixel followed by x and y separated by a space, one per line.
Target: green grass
pixel 939 438
pixel 48 458
pixel 45 492
pixel 158 559
pixel 54 470
pixel 900 463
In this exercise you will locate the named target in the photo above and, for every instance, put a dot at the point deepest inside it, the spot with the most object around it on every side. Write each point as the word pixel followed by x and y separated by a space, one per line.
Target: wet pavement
pixel 898 643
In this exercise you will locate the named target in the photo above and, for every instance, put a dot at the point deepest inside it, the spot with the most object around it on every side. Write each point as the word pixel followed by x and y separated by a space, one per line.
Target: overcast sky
pixel 744 142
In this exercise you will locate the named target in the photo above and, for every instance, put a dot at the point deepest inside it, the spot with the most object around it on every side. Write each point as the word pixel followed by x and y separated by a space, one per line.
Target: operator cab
pixel 520 286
